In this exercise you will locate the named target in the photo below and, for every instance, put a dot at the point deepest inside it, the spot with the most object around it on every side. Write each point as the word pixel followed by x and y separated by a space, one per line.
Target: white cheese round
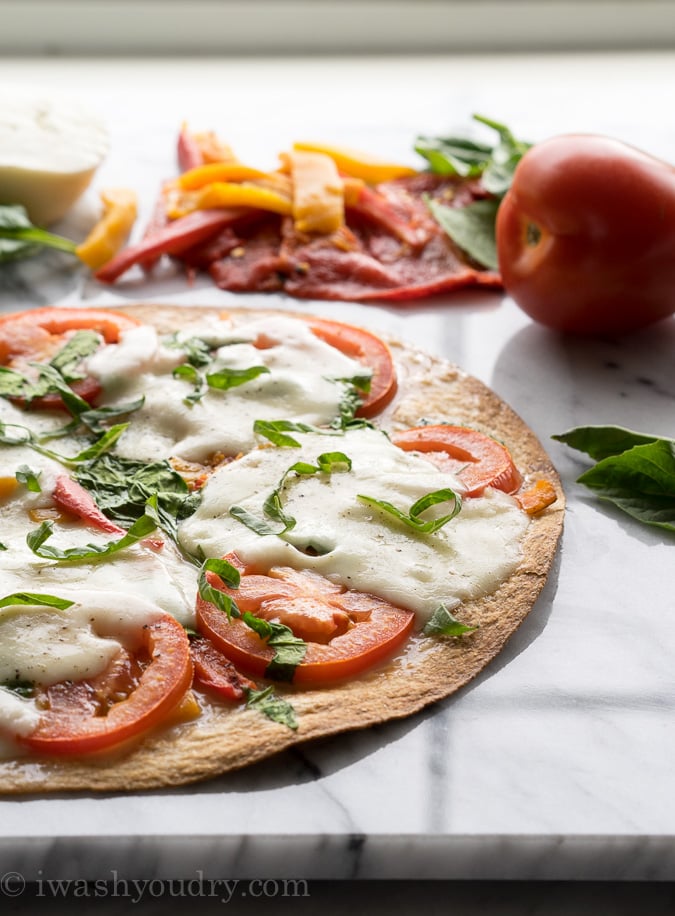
pixel 49 151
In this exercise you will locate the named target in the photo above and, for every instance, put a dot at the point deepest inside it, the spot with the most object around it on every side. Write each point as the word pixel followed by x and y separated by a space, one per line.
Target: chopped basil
pixel 273 706
pixel 123 486
pixel 635 471
pixel 29 478
pixel 326 463
pixel 412 519
pixel 275 431
pixel 225 379
pixel 34 599
pixel 25 689
pixel 94 417
pixel 190 374
pixel 75 405
pixel 442 623
pixel 36 541
pixel 230 576
pixel 197 351
pixel 99 447
pixel 81 344
pixel 289 650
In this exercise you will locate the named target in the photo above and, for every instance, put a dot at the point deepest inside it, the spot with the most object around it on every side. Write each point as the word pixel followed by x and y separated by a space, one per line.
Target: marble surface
pixel 557 762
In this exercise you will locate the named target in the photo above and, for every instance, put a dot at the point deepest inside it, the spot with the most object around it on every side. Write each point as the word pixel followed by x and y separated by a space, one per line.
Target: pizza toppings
pixel 242 439
pixel 343 632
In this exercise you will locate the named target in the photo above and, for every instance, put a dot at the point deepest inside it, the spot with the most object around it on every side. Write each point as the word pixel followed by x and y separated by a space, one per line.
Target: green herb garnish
pixel 442 623
pixel 412 518
pixel 35 599
pixel 19 238
pixel 36 541
pixel 273 706
pixel 634 471
pixel 29 478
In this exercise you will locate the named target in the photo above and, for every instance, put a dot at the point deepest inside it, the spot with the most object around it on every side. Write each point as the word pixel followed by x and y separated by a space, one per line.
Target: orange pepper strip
pixel 359 165
pixel 120 207
pixel 537 497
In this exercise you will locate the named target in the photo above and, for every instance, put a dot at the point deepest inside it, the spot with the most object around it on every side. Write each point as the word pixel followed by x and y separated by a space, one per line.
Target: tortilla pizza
pixel 228 533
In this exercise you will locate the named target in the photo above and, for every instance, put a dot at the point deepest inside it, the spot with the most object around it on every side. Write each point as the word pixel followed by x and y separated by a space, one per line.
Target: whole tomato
pixel 586 236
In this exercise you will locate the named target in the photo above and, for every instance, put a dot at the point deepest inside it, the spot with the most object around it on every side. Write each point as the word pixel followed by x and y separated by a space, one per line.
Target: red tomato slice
pixel 478 460
pixel 213 672
pixel 368 349
pixel 38 334
pixel 303 600
pixel 88 716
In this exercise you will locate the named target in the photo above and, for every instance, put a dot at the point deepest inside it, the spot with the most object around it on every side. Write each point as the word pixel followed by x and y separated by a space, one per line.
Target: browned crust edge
pixel 226 739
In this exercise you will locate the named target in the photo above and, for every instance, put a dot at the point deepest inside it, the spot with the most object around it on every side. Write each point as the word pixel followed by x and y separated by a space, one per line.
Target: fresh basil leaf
pixel 25 689
pixel 13 384
pixel 81 344
pixel 24 437
pixel 190 374
pixel 29 478
pixel 412 518
pixel 640 481
pixel 230 576
pixel 289 650
pixel 275 431
pixel 74 404
pixel 257 525
pixel 273 706
pixel 273 508
pixel 20 238
pixel 3 546
pixel 330 462
pixel 36 541
pixel 225 379
pixel 472 228
pixel 442 623
pixel 35 599
pixel 602 441
pixel 197 351
pixel 459 155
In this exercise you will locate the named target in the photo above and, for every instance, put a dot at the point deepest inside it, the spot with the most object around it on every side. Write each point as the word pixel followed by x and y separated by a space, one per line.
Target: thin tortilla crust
pixel 226 738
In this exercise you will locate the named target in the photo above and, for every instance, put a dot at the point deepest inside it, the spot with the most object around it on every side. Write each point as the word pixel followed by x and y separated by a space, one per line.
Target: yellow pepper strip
pixel 352 190
pixel 120 207
pixel 357 164
pixel 318 193
pixel 227 194
pixel 197 178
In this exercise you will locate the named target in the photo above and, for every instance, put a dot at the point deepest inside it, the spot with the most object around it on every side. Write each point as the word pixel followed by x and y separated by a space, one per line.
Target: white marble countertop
pixel 558 761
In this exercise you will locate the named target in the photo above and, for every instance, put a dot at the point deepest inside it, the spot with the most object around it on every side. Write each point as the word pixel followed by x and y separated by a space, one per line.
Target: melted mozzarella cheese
pixel 300 384
pixel 357 545
pixel 45 645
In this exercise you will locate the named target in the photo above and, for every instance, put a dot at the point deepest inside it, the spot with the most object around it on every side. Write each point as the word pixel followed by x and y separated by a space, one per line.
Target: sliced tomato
pixel 137 692
pixel 37 335
pixel 215 673
pixel 478 460
pixel 368 349
pixel 366 629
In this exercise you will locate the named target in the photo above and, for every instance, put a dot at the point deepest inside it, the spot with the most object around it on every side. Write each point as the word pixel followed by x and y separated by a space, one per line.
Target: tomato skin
pixel 74 728
pixel 368 349
pixel 379 629
pixel 586 236
pixel 479 461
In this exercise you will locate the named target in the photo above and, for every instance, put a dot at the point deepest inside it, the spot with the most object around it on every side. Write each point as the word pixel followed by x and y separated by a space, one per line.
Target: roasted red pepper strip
pixel 176 237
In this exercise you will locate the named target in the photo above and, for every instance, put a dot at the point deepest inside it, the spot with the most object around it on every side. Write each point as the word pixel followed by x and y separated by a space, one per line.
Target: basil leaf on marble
pixel 19 238
pixel 442 623
pixel 413 517
pixel 273 706
pixel 636 471
pixel 141 528
pixel 289 650
pixel 602 441
pixel 35 599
